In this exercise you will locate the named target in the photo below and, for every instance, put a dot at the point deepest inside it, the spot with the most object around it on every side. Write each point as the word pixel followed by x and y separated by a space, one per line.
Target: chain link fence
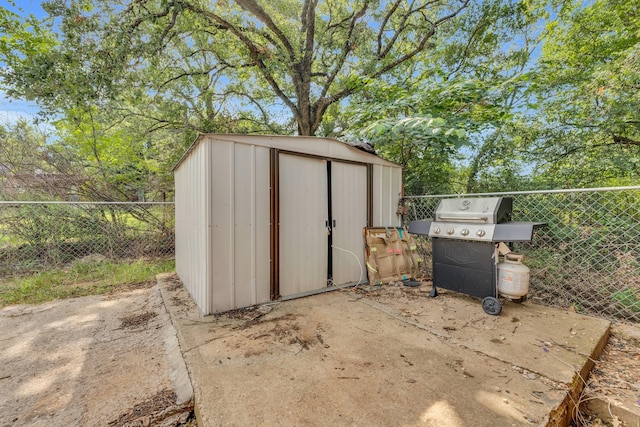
pixel 36 236
pixel 586 259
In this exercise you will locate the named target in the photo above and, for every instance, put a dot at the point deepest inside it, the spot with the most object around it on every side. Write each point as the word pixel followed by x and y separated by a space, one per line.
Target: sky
pixel 11 110
pixel 29 7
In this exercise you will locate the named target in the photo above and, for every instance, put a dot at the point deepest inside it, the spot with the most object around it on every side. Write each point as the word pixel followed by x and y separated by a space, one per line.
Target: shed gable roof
pixel 311 145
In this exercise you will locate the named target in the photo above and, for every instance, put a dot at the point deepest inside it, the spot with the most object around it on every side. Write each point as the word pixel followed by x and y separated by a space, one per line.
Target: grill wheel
pixel 491 306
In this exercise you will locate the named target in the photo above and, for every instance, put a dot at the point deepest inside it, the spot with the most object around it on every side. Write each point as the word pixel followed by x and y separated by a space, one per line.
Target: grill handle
pixel 483 219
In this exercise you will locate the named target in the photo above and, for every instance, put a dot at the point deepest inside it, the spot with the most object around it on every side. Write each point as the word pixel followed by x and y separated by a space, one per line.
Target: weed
pixel 79 279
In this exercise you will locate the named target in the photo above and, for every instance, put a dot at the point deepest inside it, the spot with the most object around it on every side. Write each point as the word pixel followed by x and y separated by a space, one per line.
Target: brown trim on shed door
pixel 369 195
pixel 274 181
pixel 327 158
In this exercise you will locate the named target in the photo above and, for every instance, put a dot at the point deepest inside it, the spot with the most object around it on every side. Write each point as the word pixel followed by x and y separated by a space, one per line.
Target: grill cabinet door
pixel 467 267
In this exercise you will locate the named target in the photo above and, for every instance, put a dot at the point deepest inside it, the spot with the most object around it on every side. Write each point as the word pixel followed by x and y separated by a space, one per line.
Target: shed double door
pixel 322 210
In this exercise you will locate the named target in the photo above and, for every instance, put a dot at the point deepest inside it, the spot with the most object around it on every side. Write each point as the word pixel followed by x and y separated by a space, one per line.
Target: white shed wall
pixel 223 225
pixel 192 183
pixel 240 220
pixel 223 214
pixel 251 239
pixel 387 191
pixel 311 145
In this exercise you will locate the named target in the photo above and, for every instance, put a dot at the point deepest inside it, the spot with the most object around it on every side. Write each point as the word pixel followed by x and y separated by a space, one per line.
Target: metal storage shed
pixel 260 218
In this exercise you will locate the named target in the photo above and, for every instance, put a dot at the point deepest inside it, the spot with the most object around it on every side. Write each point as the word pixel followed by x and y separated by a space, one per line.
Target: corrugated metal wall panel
pixel 378 196
pixel 244 245
pixel 303 233
pixel 251 226
pixel 396 195
pixel 191 225
pixel 203 255
pixel 317 146
pixel 349 209
pixel 387 189
pixel 221 206
pixel 262 235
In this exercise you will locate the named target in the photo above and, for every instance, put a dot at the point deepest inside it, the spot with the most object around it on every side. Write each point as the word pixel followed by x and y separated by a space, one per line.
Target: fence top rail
pixel 505 193
pixel 32 202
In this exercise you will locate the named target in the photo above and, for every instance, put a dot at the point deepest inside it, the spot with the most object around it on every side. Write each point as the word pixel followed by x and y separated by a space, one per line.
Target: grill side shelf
pixel 420 227
pixel 515 231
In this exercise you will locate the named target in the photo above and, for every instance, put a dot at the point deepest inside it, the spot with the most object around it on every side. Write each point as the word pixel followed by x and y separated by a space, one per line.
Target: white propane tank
pixel 513 277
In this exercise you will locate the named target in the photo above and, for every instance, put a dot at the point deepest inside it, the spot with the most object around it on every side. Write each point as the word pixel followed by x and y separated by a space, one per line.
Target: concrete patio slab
pixel 393 356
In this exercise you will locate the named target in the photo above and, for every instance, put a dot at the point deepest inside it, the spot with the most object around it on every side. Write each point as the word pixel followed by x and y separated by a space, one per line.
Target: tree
pixel 21 38
pixel 417 127
pixel 447 124
pixel 453 90
pixel 22 159
pixel 587 91
pixel 306 56
pixel 496 43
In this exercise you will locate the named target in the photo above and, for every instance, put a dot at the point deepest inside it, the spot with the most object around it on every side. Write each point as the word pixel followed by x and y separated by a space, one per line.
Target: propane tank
pixel 513 277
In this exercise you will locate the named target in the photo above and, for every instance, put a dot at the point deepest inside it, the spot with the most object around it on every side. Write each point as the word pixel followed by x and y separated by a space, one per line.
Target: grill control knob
pixel 480 233
pixel 450 231
pixel 464 232
pixel 437 230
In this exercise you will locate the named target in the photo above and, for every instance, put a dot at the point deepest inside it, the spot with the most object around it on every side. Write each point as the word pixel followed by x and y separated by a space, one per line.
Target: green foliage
pixel 23 150
pixel 131 86
pixel 207 59
pixel 447 123
pixel 468 96
pixel 586 91
pixel 21 38
pixel 414 126
pixel 38 236
pixel 37 225
pixel 116 162
pixel 79 280
pixel 628 298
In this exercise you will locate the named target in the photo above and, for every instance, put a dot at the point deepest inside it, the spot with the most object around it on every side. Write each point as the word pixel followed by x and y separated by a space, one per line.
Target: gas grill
pixel 465 234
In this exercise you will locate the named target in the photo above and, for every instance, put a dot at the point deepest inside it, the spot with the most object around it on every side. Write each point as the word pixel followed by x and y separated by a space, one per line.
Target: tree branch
pixel 254 52
pixel 253 7
pixel 471 40
pixel 383 25
pixel 324 102
pixel 620 139
pixel 136 23
pixel 400 28
pixel 189 74
pixel 309 25
pixel 422 44
pixel 346 49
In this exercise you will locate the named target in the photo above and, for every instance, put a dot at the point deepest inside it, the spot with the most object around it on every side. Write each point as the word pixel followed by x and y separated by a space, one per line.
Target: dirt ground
pixel 90 361
pixel 613 388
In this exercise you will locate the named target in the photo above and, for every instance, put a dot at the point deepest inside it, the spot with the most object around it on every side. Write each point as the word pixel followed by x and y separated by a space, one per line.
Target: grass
pixel 80 279
pixel 629 299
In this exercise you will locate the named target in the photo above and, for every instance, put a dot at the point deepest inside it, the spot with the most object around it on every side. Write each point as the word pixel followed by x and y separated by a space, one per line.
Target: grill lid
pixel 485 219
pixel 485 210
